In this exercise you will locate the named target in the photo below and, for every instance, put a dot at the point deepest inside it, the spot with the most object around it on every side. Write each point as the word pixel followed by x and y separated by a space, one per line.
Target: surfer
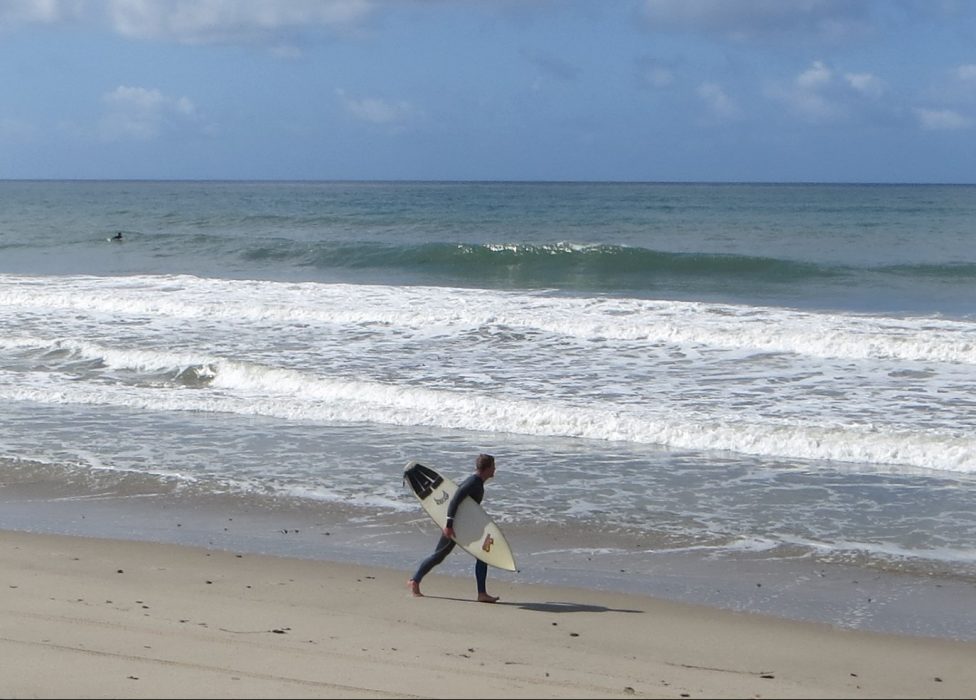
pixel 117 236
pixel 473 487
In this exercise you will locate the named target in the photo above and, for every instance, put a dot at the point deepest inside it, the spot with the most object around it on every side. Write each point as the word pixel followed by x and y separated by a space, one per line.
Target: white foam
pixel 688 376
pixel 892 551
pixel 756 329
pixel 252 390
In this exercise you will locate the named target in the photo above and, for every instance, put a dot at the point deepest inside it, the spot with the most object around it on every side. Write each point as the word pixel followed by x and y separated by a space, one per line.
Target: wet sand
pixel 86 617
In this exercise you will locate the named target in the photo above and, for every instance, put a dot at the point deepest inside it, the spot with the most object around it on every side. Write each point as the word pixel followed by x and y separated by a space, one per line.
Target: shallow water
pixel 686 386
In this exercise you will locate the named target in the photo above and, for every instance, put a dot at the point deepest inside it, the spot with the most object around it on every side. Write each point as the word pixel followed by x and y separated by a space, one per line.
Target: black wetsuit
pixel 474 488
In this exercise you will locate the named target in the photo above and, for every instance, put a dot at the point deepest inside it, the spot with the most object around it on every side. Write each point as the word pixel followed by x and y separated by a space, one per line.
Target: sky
pixel 620 90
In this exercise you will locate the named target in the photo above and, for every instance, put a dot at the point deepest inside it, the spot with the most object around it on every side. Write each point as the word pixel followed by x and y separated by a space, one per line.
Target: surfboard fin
pixel 423 480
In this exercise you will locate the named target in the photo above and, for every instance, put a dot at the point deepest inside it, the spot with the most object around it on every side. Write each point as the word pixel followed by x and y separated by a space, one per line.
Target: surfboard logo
pixel 486 541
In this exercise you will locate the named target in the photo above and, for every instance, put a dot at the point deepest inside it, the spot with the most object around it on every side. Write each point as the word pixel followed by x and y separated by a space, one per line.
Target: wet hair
pixel 484 461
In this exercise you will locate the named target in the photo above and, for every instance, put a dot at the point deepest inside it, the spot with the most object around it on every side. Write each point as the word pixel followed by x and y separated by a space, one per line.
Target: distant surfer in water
pixel 473 487
pixel 117 236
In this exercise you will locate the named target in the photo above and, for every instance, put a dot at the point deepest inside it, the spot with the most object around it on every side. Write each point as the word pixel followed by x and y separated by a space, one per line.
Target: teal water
pixel 692 380
pixel 893 248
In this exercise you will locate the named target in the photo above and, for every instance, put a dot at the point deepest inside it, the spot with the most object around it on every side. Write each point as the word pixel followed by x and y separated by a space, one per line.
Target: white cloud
pixel 866 84
pixel 813 107
pixel 744 19
pixel 819 95
pixel 815 77
pixel 38 11
pixel 376 110
pixel 954 89
pixel 963 88
pixel 225 21
pixel 718 102
pixel 196 21
pixel 808 96
pixel 942 119
pixel 141 114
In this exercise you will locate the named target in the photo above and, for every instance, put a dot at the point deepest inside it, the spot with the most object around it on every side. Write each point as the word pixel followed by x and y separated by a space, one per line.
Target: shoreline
pixel 848 597
pixel 124 618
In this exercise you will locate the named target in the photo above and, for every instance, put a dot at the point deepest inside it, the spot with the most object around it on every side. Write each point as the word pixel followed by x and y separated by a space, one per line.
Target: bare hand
pixel 449 532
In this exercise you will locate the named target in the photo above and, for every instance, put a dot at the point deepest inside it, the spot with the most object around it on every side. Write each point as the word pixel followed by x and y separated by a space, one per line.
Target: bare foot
pixel 415 589
pixel 485 598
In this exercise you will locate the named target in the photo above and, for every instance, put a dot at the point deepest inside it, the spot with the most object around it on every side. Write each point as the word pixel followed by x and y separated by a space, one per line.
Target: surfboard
pixel 474 530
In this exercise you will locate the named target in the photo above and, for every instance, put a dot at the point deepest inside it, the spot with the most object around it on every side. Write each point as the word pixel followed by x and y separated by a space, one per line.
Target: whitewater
pixel 681 402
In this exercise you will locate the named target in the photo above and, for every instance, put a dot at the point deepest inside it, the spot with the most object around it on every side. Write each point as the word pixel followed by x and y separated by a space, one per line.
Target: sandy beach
pixel 105 618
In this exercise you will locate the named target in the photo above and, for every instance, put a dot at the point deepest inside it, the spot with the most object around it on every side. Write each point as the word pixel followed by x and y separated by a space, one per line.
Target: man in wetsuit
pixel 473 487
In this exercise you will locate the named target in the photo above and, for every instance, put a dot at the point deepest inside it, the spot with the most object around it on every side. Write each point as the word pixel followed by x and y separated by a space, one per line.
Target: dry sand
pixel 88 618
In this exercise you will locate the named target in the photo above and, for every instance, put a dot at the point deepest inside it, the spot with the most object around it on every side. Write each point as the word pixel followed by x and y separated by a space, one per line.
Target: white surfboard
pixel 474 531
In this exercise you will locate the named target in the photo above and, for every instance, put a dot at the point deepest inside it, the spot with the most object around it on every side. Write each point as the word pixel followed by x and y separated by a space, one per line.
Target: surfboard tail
pixel 475 531
pixel 423 480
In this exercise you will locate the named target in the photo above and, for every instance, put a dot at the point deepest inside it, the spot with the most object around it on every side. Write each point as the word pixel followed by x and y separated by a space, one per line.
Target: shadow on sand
pixel 561 607
pixel 549 606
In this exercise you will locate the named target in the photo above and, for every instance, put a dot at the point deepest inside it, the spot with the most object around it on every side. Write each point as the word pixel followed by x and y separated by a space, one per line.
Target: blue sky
pixel 658 90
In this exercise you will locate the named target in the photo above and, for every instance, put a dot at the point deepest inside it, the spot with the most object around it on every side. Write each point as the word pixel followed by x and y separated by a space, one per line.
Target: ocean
pixel 759 397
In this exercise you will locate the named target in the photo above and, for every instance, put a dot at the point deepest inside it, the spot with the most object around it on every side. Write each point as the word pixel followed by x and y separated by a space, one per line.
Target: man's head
pixel 485 466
